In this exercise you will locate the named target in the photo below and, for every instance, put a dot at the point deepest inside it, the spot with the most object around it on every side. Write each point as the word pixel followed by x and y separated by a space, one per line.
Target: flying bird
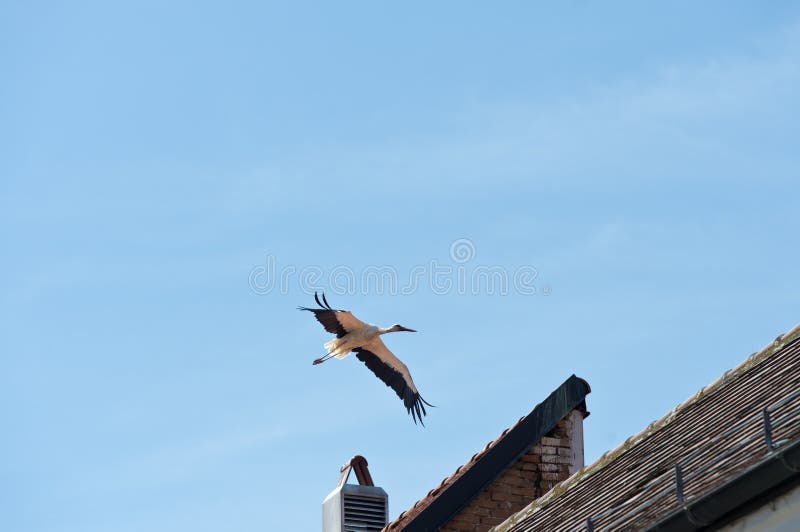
pixel 363 339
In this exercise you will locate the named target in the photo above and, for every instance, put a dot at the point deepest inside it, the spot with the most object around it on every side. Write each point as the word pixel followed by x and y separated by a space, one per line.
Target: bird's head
pixel 397 328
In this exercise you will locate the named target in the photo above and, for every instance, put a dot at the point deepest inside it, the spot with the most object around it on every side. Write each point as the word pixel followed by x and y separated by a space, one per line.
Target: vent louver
pixel 364 513
pixel 355 508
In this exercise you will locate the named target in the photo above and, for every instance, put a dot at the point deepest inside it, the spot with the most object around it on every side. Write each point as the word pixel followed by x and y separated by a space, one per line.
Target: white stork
pixel 353 335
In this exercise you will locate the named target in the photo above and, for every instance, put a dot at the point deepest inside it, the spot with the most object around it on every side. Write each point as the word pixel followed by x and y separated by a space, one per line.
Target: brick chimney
pixel 523 463
pixel 546 463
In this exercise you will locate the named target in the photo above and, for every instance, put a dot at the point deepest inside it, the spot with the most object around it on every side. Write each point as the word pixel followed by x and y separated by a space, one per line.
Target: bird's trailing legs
pixel 322 359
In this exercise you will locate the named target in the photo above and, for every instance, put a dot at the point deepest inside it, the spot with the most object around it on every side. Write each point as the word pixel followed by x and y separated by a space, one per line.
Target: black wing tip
pixel 415 407
pixel 323 305
pixel 426 402
pixel 415 415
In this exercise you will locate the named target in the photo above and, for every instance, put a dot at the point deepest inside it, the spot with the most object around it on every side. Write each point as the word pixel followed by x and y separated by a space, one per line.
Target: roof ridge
pixel 609 456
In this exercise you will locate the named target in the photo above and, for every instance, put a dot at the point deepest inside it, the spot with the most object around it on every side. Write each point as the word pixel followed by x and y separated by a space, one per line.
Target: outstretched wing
pixel 394 374
pixel 338 322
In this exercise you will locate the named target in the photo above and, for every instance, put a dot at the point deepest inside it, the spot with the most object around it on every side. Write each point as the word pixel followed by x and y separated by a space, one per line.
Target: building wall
pixel 554 458
pixel 779 515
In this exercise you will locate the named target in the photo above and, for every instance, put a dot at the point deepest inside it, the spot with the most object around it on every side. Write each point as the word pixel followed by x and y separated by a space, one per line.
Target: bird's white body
pixel 341 347
pixel 368 337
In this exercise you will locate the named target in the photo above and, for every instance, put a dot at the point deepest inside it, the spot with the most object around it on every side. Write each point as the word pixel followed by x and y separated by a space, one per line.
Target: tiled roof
pixel 715 437
pixel 457 490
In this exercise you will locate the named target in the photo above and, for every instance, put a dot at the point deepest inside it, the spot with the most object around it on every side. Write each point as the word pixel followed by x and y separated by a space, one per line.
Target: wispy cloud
pixel 645 127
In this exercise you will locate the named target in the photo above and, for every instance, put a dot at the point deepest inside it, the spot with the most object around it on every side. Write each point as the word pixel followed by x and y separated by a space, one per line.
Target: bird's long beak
pixel 406 329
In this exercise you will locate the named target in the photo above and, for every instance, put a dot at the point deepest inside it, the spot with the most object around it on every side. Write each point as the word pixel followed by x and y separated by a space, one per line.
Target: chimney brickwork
pixel 552 459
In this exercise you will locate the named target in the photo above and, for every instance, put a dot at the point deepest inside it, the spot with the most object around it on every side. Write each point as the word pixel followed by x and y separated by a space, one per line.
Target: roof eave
pixel 777 473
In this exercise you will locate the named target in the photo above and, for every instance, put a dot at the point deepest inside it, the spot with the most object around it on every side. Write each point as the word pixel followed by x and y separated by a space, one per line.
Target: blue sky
pixel 156 156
